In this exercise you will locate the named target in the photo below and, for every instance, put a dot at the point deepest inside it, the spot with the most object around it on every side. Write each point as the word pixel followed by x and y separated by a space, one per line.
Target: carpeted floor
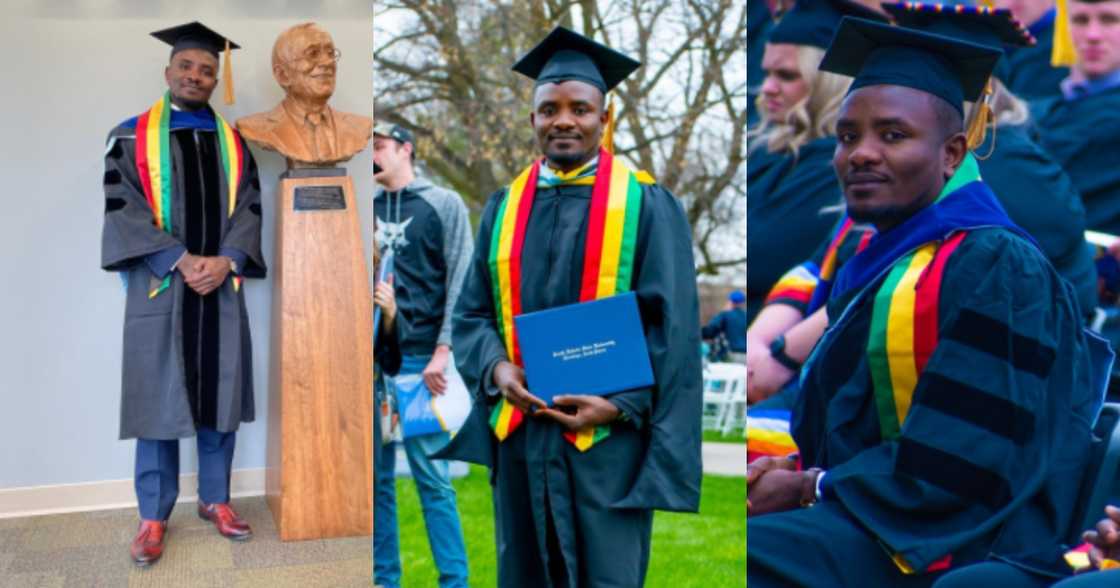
pixel 91 550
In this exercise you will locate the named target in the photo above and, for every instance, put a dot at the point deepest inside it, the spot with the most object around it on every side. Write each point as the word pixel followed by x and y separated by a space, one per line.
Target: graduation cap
pixel 983 25
pixel 875 54
pixel 567 55
pixel 196 35
pixel 948 67
pixel 814 22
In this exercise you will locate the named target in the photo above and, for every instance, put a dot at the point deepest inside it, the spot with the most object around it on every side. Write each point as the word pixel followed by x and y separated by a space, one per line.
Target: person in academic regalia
pixel 945 415
pixel 1080 128
pixel 789 175
pixel 575 486
pixel 1033 189
pixel 1026 69
pixel 183 226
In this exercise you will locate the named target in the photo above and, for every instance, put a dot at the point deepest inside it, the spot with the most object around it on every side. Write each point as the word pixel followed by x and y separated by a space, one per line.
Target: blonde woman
pixel 789 163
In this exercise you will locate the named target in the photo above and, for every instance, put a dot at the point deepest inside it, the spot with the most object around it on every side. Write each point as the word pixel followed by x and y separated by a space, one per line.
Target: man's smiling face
pixel 568 119
pixel 191 76
pixel 894 151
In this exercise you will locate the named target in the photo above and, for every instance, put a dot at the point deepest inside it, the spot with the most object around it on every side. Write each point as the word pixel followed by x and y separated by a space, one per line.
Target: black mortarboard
pixel 878 54
pixel 194 35
pixel 984 25
pixel 566 55
pixel 813 22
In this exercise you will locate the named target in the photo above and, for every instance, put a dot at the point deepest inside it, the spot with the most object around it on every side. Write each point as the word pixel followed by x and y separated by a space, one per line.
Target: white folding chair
pixel 735 408
pixel 723 383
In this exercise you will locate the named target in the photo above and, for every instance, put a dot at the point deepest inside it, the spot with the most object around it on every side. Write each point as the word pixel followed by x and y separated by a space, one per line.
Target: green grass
pixel 735 436
pixel 708 549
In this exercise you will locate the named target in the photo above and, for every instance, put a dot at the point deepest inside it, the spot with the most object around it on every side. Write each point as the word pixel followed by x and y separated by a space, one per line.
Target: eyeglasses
pixel 314 54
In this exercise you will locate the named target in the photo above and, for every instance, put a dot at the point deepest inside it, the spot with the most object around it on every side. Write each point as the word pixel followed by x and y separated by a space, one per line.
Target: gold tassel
pixel 608 133
pixel 1063 53
pixel 981 119
pixel 227 75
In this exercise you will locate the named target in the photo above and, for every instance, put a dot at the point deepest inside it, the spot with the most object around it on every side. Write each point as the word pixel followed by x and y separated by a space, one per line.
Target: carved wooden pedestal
pixel 320 437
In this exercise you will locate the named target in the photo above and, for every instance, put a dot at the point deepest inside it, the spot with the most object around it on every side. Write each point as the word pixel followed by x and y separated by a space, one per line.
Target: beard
pixel 187 104
pixel 876 215
pixel 887 215
pixel 567 159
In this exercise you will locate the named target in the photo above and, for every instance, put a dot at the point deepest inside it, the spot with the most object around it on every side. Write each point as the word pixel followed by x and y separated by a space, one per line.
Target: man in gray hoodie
pixel 428 230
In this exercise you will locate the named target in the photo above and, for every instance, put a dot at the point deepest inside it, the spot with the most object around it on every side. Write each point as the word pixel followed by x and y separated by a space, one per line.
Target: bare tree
pixel 442 69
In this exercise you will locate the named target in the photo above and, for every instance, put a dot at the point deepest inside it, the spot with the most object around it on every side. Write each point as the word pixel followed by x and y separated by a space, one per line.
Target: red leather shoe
pixel 147 545
pixel 227 522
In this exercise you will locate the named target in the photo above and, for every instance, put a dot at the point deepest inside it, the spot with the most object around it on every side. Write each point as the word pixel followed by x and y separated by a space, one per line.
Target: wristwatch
pixel 778 352
pixel 809 487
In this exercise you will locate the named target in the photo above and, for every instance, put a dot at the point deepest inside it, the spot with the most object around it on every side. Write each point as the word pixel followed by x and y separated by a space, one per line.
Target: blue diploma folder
pixel 591 348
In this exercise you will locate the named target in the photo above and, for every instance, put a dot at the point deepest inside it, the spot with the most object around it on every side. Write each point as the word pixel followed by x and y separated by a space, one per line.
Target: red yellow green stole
pixel 616 200
pixel 904 329
pixel 153 165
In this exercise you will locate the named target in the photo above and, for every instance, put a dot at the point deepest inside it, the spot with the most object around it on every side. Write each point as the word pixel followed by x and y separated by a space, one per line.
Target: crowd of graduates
pixel 923 364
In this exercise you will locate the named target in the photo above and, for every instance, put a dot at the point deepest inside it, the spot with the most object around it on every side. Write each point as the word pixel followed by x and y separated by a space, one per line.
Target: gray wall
pixel 82 67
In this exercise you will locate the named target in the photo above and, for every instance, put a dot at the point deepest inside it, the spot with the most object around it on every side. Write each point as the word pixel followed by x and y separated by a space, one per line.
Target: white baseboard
pixel 109 494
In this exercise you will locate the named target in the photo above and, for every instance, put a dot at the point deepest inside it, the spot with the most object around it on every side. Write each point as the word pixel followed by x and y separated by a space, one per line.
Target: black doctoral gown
pixel 559 512
pixel 990 455
pixel 187 358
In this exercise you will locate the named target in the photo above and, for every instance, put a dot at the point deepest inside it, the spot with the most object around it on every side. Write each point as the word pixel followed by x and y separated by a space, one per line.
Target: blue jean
pixel 437 500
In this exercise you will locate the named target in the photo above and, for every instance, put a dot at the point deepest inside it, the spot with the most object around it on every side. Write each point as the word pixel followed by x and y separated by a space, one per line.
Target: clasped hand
pixel 203 274
pixel 582 411
pixel 773 485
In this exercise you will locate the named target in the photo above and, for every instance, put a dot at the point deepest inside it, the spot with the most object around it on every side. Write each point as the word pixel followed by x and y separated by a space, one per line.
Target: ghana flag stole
pixel 904 328
pixel 612 232
pixel 153 166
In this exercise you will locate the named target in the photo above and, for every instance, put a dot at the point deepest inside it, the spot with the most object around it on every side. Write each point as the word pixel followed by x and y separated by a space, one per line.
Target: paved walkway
pixel 725 459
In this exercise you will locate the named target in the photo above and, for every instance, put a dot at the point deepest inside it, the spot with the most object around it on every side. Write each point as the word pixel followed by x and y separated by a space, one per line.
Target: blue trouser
pixel 157 472
pixel 437 500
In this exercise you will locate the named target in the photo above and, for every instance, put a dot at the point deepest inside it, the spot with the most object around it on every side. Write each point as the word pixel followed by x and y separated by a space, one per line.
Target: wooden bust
pixel 303 128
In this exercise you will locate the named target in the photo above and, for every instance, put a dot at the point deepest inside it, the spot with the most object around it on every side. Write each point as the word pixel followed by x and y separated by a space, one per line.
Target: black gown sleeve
pixel 129 233
pixel 665 283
